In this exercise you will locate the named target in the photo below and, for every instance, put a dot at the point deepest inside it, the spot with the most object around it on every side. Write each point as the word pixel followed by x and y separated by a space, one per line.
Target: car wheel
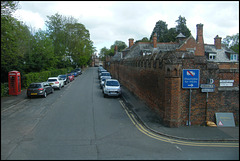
pixel 104 95
pixel 45 94
pixel 59 87
pixel 52 90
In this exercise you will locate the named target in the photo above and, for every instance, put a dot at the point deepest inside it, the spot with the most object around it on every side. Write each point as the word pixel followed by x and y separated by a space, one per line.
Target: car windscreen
pixel 112 83
pixel 63 76
pixel 52 80
pixel 105 74
pixel 35 86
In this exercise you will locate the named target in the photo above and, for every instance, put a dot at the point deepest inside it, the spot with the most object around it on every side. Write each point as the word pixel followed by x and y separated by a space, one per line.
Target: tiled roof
pixel 221 54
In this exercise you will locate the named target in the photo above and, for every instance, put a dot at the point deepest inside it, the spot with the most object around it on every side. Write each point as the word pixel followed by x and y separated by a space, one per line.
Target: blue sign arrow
pixel 190 78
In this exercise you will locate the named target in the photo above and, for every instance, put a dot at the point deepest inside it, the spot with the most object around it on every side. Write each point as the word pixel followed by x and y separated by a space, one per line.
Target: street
pixel 77 122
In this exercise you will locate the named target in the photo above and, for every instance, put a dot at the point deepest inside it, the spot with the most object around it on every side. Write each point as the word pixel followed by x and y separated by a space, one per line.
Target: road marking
pixel 170 140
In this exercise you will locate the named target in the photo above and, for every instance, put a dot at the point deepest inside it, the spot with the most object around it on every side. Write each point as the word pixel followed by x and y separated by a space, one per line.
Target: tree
pixel 171 35
pixel 182 26
pixel 145 39
pixel 161 30
pixel 232 42
pixel 120 45
pixel 15 38
pixel 42 55
pixel 7 7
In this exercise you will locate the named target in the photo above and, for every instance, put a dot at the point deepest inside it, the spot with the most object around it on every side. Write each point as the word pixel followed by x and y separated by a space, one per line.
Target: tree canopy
pixel 232 42
pixel 65 43
pixel 167 35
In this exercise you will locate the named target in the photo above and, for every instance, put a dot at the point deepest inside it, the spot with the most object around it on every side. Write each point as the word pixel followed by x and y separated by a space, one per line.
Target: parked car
pixel 74 73
pixel 70 76
pixel 102 82
pixel 100 72
pixel 79 70
pixel 65 78
pixel 39 89
pixel 106 75
pixel 56 82
pixel 111 87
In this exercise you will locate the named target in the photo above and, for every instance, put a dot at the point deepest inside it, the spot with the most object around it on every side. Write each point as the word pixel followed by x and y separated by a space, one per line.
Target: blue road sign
pixel 190 78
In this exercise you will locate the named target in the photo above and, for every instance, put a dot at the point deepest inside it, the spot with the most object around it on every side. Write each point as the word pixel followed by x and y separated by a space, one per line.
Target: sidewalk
pixel 195 133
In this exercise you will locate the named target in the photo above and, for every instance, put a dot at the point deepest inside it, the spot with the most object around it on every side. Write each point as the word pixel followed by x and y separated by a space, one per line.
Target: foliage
pixel 120 45
pixel 182 27
pixel 27 79
pixel 66 43
pixel 166 35
pixel 161 30
pixel 7 7
pixel 145 39
pixel 104 52
pixel 232 42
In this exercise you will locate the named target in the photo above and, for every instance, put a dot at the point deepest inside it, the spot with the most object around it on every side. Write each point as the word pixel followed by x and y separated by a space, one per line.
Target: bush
pixel 29 78
pixel 4 89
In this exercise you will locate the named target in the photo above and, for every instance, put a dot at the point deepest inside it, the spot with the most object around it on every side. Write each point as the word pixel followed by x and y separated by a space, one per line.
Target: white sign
pixel 226 83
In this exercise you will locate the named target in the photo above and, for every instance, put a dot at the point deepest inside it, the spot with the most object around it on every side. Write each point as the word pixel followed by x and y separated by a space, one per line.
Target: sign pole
pixel 189 113
pixel 206 109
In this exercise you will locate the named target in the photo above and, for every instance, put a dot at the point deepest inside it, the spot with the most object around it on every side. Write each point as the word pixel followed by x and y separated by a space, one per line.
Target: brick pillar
pixel 172 101
pixel 200 51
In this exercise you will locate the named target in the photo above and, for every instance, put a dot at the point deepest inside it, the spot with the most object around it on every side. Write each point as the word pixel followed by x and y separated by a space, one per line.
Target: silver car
pixel 111 87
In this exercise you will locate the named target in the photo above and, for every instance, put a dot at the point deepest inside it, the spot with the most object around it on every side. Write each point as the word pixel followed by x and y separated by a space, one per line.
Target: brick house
pixel 153 72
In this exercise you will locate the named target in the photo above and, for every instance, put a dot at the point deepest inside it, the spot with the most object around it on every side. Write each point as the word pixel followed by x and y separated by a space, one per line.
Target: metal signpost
pixel 207 88
pixel 190 80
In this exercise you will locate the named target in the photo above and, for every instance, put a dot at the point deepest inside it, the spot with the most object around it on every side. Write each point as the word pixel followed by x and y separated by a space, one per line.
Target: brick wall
pixel 159 83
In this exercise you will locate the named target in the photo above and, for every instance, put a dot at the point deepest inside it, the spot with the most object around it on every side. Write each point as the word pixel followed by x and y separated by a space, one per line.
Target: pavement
pixel 152 121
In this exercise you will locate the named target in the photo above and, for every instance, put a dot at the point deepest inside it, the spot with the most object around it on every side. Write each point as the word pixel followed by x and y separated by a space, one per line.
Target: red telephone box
pixel 14 83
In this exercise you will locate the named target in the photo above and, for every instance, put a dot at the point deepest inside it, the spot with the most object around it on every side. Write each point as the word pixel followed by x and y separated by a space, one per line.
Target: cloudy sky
pixel 108 21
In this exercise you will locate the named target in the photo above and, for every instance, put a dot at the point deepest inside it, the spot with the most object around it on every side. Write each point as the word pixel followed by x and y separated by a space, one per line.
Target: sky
pixel 108 21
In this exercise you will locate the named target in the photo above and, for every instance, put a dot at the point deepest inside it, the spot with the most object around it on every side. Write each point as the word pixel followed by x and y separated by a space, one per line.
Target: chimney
pixel 115 49
pixel 200 51
pixel 155 40
pixel 130 42
pixel 217 42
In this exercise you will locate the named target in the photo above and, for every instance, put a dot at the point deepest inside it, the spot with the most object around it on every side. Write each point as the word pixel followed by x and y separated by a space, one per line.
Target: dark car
pixel 74 73
pixel 79 70
pixel 65 78
pixel 39 89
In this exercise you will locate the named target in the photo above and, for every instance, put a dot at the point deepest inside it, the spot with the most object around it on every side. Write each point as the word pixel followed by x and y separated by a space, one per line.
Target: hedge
pixel 29 78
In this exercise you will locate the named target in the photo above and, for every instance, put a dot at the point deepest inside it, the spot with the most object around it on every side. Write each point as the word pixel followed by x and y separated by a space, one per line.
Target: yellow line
pixel 169 140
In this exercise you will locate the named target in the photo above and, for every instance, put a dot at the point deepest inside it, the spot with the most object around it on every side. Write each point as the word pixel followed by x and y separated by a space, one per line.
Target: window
pixel 212 56
pixel 234 57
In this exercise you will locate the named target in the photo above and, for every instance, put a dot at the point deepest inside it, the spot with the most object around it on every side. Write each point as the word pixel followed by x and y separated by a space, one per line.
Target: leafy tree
pixel 161 30
pixel 145 39
pixel 42 55
pixel 15 38
pixel 55 29
pixel 171 35
pixel 182 27
pixel 165 35
pixel 120 45
pixel 7 7
pixel 232 42
pixel 104 52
